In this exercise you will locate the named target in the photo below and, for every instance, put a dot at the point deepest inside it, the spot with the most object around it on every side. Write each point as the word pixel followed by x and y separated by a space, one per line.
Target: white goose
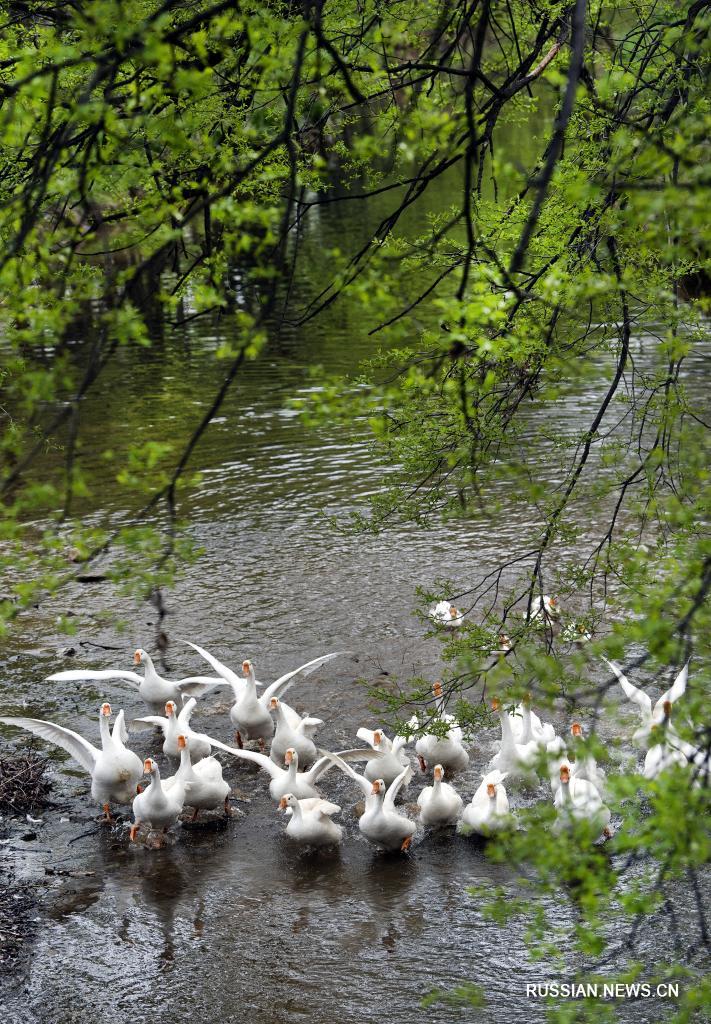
pixel 293 732
pixel 288 779
pixel 488 810
pixel 205 788
pixel 156 806
pixel 650 715
pixel 516 759
pixel 250 713
pixel 175 725
pixel 585 765
pixel 663 753
pixel 380 823
pixel 115 770
pixel 439 803
pixel 388 757
pixel 155 690
pixel 445 614
pixel 310 821
pixel 580 800
pixel 557 752
pixel 527 726
pixel 545 608
pixel 448 750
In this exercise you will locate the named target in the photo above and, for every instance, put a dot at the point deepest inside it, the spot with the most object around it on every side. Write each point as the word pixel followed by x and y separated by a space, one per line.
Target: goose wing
pixel 360 780
pixel 675 691
pixel 196 686
pixel 638 697
pixel 141 724
pixel 395 787
pixel 308 726
pixel 264 762
pixel 282 684
pixel 325 762
pixel 235 681
pixel 82 751
pixel 119 731
pixel 109 673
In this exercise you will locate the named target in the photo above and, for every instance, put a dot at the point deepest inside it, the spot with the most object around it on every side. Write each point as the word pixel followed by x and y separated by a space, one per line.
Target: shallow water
pixel 231 923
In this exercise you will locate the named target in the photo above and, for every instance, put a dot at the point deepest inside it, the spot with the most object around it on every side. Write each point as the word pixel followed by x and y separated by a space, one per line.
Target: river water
pixel 231 923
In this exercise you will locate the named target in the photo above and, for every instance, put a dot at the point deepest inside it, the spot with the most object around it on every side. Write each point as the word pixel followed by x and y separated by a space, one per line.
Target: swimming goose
pixel 205 788
pixel 155 690
pixel 310 821
pixel 380 823
pixel 250 713
pixel 293 732
pixel 175 725
pixel 439 803
pixel 115 770
pixel 156 806
pixel 664 752
pixel 650 715
pixel 445 614
pixel 545 608
pixel 516 759
pixel 584 765
pixel 488 810
pixel 388 757
pixel 288 779
pixel 580 800
pixel 447 750
pixel 526 726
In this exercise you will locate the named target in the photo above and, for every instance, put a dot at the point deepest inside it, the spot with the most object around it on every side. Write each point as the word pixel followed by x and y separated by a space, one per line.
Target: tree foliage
pixel 159 162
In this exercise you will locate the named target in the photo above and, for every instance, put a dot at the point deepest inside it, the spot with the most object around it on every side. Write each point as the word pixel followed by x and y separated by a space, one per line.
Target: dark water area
pixel 231 922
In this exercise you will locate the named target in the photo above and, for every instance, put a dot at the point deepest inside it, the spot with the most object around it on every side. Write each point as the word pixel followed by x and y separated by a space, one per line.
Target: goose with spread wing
pixel 174 725
pixel 650 715
pixel 288 779
pixel 250 713
pixel 293 731
pixel 387 757
pixel 115 770
pixel 380 823
pixel 154 689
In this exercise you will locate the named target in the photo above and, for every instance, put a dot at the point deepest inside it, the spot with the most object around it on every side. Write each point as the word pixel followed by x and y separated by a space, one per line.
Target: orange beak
pixel 181 743
pixel 148 766
pixel 169 708
pixel 495 704
pixel 137 658
pixel 246 666
pixel 106 710
pixel 437 689
pixel 438 772
pixel 283 804
pixel 377 737
pixel 376 787
pixel 576 729
pixel 553 603
pixel 288 756
pixel 274 703
pixel 564 774
pixel 491 789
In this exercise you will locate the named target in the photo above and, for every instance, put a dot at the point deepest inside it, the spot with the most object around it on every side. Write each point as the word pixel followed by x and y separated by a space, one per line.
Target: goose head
pixel 182 742
pixel 577 730
pixel 291 758
pixel 105 710
pixel 140 656
pixel 149 766
pixel 491 790
pixel 170 708
pixel 437 689
pixel 377 738
pixel 564 774
pixel 378 788
pixel 438 773
pixel 274 704
pixel 288 800
pixel 248 669
pixel 496 705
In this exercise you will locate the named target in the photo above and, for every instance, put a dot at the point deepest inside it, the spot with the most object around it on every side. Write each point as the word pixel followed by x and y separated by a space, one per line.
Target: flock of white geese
pixel 528 749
